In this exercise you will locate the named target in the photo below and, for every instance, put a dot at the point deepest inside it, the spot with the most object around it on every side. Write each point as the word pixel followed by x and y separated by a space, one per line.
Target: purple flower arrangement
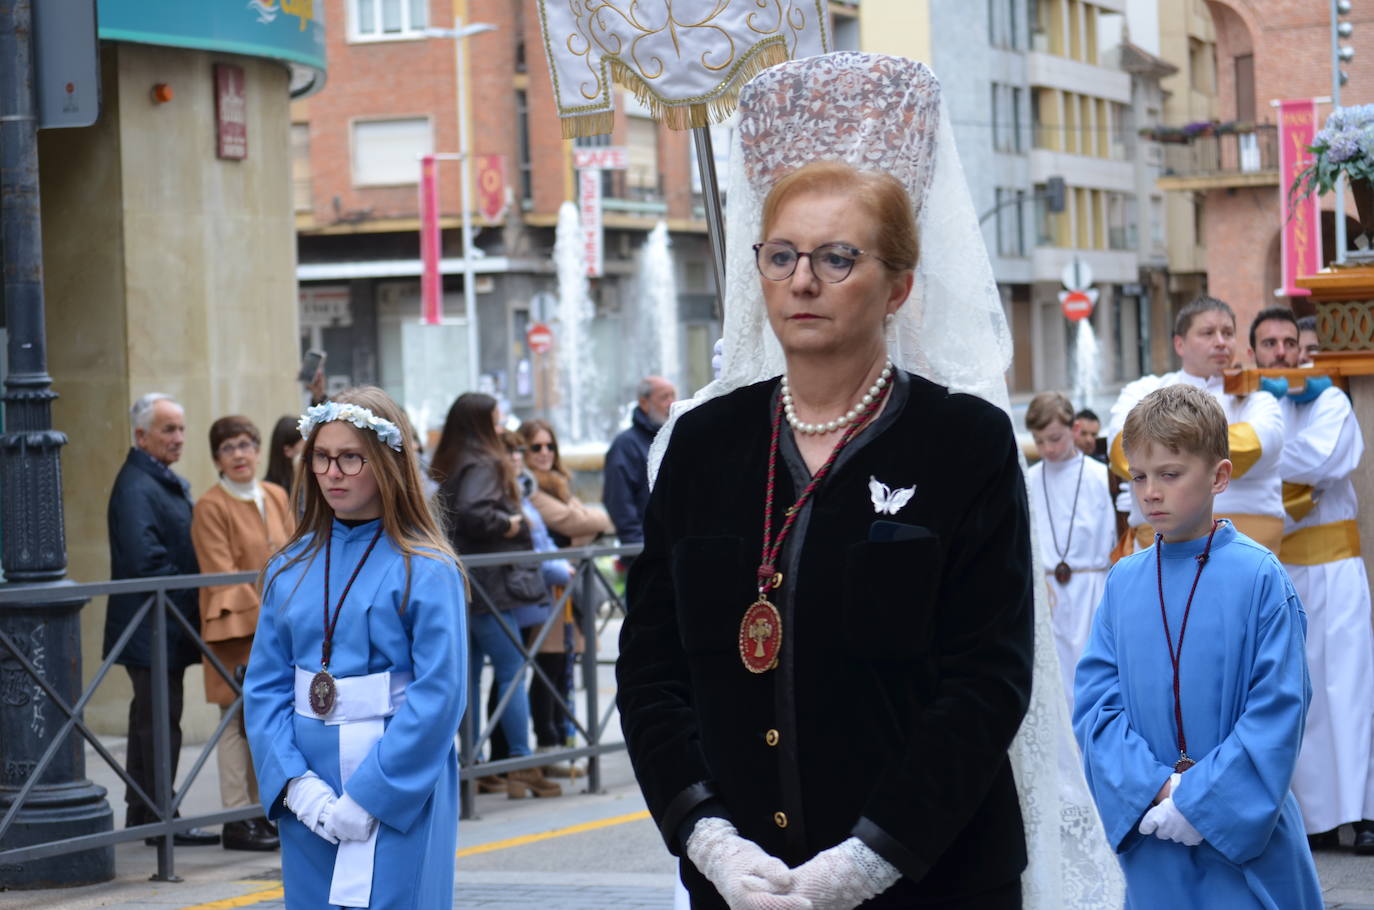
pixel 1344 146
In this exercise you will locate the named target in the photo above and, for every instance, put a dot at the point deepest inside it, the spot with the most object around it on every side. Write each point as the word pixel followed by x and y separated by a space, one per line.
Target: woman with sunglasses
pixel 570 523
pixel 235 527
pixel 481 502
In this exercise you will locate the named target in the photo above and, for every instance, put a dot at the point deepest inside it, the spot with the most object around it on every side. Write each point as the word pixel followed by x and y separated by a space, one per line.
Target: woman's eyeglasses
pixel 830 262
pixel 229 449
pixel 537 447
pixel 350 463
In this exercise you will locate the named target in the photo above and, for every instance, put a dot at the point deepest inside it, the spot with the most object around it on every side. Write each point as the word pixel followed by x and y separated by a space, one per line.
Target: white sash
pixel 361 707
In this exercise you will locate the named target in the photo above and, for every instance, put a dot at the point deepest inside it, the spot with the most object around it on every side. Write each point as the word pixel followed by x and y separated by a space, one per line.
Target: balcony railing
pixel 1230 158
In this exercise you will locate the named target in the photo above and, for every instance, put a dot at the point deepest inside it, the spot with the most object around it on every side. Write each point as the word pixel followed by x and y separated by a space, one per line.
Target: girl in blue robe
pixel 363 784
pixel 1243 691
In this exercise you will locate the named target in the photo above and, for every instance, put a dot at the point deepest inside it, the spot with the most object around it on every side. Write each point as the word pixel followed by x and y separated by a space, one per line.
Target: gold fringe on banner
pixel 680 116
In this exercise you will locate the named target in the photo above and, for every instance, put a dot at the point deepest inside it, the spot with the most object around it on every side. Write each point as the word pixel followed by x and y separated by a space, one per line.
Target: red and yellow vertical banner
pixel 1302 232
pixel 431 282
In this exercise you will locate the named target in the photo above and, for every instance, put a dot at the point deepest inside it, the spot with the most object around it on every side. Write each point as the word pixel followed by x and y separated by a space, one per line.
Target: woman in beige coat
pixel 570 523
pixel 235 527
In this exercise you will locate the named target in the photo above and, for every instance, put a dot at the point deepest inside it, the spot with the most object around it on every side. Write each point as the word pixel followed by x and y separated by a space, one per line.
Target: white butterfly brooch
pixel 887 500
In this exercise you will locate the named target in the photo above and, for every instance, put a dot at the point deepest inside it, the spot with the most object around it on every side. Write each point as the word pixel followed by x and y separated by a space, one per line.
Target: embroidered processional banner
pixel 685 61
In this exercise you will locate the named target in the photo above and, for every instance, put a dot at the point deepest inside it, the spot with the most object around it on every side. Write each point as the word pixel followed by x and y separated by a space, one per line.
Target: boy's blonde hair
pixel 1181 418
pixel 1047 407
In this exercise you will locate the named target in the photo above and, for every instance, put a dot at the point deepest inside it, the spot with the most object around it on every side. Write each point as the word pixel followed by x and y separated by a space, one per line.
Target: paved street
pixel 578 852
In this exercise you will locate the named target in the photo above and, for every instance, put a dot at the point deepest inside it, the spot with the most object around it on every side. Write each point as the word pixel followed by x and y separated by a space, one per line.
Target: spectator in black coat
pixel 625 485
pixel 149 522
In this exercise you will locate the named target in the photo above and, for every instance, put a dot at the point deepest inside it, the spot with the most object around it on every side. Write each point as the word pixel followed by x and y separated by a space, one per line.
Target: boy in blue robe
pixel 1190 699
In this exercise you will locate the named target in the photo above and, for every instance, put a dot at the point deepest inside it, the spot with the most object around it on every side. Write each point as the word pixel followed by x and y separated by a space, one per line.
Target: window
pixel 641 177
pixel 1017 143
pixel 522 129
pixel 1118 233
pixel 1011 235
pixel 1002 23
pixel 996 118
pixel 386 152
pixel 300 167
pixel 381 20
pixel 1006 118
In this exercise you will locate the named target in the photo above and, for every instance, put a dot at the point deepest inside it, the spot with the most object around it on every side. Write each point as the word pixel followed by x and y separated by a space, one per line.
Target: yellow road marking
pixel 243 901
pixel 277 893
pixel 548 835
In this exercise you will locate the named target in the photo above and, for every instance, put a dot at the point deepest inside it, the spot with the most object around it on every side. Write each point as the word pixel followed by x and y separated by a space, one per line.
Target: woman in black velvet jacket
pixel 850 748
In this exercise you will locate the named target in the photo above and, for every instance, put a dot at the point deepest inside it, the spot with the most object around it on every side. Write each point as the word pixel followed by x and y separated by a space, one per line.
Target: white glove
pixel 349 821
pixel 844 876
pixel 746 876
pixel 1166 822
pixel 312 799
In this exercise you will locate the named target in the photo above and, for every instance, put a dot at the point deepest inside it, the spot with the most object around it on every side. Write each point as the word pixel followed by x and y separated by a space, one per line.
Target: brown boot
pixel 491 783
pixel 530 780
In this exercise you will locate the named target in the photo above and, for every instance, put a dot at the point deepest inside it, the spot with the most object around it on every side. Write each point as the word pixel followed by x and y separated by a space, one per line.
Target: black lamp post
pixel 48 633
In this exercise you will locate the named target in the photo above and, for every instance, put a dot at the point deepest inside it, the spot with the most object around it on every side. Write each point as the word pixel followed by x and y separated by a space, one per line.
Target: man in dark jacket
pixel 625 483
pixel 150 535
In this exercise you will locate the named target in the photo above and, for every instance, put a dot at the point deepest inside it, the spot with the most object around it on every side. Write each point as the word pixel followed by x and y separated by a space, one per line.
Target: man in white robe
pixel 1334 779
pixel 1205 340
pixel 1075 524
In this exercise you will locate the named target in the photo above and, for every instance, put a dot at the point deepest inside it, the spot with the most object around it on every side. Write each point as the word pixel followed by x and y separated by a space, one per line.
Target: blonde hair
pixel 406 516
pixel 1047 407
pixel 1180 418
pixel 882 196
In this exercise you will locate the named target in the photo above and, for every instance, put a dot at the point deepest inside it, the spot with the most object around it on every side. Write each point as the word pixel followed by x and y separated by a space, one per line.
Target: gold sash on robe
pixel 1321 544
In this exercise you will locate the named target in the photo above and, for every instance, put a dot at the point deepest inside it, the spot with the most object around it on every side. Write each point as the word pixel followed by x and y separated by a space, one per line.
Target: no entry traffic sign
pixel 540 338
pixel 1077 304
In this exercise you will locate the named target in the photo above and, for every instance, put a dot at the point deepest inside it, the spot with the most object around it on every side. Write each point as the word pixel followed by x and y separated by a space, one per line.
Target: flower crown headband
pixel 355 414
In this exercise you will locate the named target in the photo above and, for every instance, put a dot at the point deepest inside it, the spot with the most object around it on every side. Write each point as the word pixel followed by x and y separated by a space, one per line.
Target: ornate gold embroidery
pixel 685 61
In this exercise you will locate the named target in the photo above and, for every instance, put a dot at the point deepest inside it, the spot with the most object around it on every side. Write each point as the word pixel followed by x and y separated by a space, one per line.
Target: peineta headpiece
pixel 355 414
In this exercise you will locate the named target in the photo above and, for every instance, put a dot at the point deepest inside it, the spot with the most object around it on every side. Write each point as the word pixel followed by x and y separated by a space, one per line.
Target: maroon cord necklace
pixel 323 692
pixel 1184 762
pixel 760 631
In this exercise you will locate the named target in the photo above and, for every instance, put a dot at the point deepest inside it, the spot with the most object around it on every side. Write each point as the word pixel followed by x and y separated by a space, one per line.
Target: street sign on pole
pixel 1077 276
pixel 540 338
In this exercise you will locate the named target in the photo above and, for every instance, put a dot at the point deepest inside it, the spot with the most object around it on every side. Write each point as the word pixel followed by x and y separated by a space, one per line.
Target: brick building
pixel 391 96
pixel 1235 57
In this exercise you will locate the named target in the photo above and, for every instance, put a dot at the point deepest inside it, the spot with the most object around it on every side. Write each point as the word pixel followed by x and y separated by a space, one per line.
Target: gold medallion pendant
pixel 760 636
pixel 322 693
pixel 1062 573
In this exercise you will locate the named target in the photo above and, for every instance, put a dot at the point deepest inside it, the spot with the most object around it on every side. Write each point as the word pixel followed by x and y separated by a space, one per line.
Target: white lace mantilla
pixel 885 114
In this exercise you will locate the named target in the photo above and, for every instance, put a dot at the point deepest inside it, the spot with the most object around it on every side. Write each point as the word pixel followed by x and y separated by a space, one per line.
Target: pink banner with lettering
pixel 1302 232
pixel 431 282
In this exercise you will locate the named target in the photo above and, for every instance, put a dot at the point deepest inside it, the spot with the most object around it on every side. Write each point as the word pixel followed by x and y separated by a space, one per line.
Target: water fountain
pixel 574 316
pixel 659 333
pixel 1087 367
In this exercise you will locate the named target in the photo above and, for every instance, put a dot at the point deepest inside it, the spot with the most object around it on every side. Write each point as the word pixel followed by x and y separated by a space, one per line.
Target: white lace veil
pixel 886 114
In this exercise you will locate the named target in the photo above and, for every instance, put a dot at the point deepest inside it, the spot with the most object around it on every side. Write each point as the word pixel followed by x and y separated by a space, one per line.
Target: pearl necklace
pixel 839 423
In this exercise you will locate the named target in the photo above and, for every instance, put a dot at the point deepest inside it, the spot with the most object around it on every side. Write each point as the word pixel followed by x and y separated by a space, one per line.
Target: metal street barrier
pixel 593 591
